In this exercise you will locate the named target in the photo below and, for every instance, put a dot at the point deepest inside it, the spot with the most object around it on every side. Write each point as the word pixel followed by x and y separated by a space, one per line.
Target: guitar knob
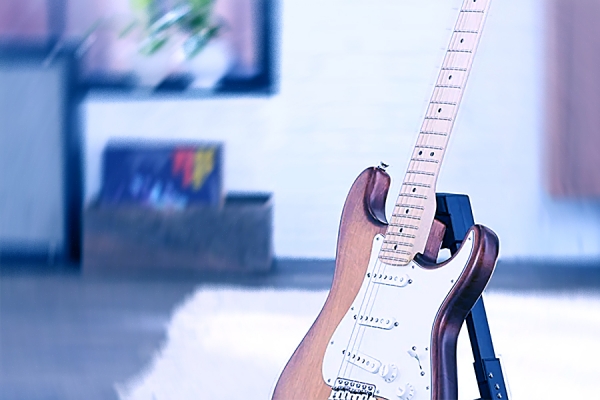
pixel 406 393
pixel 389 372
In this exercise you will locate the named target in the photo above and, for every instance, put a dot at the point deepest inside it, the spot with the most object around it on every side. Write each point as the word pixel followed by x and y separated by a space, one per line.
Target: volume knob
pixel 389 372
pixel 406 393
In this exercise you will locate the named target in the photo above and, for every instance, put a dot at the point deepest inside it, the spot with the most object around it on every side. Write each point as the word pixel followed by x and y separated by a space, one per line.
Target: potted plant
pixel 174 37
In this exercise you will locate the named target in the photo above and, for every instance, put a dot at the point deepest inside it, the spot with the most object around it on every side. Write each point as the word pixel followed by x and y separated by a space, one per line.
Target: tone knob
pixel 407 392
pixel 389 372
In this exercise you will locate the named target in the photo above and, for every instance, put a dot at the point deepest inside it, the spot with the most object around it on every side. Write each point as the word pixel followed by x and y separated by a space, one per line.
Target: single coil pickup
pixel 473 11
pixel 362 361
pixel 376 322
pixel 344 388
pixel 399 280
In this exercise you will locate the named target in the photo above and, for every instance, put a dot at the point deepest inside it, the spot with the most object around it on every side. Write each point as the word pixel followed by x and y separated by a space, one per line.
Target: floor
pixel 67 335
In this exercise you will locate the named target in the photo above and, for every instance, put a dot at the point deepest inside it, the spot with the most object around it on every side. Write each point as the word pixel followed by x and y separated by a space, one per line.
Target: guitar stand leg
pixel 454 210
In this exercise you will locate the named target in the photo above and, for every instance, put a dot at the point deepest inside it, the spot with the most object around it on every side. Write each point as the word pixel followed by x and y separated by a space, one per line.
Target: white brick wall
pixel 355 77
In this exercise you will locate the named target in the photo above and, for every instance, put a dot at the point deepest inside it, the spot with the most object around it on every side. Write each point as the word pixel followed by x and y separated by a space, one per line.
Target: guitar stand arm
pixel 454 211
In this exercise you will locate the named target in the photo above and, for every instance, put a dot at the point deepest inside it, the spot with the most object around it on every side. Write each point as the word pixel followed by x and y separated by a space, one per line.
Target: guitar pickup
pixel 376 322
pixel 399 280
pixel 363 361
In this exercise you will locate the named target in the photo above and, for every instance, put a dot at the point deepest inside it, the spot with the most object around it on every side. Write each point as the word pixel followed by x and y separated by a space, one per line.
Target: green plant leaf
pixel 128 28
pixel 153 44
pixel 141 5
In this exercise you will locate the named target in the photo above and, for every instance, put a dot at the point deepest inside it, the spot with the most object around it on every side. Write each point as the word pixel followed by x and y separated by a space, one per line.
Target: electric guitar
pixel 389 327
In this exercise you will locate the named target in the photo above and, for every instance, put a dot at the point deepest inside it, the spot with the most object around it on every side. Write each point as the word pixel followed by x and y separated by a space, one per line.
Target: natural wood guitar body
pixel 302 378
pixel 363 217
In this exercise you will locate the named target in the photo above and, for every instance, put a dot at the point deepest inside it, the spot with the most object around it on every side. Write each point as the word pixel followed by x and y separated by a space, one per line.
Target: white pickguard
pixel 403 303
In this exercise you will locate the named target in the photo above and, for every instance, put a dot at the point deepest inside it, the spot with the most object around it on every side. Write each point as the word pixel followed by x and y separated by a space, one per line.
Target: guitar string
pixel 438 94
pixel 450 60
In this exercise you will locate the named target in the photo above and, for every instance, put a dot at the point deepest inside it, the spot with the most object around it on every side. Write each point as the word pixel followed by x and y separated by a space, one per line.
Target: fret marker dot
pixel 450 77
pixel 420 152
pixel 431 154
pixel 439 110
pixel 395 247
pixel 462 40
pixel 414 190
pixel 407 210
pixel 400 230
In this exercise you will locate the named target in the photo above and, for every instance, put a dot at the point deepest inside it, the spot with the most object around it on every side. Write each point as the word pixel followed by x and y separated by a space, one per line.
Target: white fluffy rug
pixel 228 344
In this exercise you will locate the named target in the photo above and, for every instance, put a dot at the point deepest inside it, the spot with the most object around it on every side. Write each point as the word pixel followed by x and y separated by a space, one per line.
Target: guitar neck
pixel 414 211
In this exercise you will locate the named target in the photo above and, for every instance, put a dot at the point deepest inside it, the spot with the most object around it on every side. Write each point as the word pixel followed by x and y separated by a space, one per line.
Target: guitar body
pixel 411 348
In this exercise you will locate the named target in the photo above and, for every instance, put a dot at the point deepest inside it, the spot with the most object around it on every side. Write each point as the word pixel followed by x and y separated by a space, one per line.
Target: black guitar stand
pixel 454 211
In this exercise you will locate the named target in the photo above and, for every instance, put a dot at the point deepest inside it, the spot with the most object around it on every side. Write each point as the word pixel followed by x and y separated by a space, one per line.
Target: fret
pixel 449 86
pixel 418 184
pixel 398 259
pixel 405 235
pixel 424 160
pixel 397 225
pixel 454 69
pixel 409 206
pixel 425 146
pixel 450 103
pixel 413 196
pixel 433 133
pixel 439 118
pixel 415 172
pixel 404 244
pixel 415 217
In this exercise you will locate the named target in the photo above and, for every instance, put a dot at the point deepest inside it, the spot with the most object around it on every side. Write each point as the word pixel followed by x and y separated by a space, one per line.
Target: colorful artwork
pixel 162 176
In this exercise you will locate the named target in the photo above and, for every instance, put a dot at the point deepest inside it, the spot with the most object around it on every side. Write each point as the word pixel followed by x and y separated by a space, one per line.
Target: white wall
pixel 355 78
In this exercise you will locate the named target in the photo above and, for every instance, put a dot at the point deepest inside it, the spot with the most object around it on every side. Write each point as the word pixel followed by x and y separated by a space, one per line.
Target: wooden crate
pixel 235 237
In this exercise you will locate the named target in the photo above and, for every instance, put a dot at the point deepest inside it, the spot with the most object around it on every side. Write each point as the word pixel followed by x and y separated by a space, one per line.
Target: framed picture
pixel 203 46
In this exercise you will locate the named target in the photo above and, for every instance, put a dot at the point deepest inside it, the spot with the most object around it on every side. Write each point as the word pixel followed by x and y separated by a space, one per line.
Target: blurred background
pixel 172 175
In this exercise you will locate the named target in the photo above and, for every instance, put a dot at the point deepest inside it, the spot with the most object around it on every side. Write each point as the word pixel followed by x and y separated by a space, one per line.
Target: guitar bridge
pixel 352 390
